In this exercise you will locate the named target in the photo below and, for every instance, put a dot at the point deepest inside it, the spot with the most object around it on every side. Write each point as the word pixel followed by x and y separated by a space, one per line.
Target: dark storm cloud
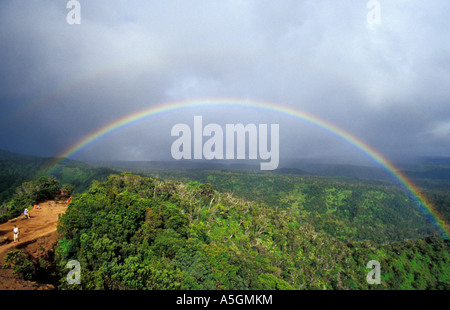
pixel 387 84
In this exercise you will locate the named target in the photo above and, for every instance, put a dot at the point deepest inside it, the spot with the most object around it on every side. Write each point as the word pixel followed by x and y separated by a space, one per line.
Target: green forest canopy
pixel 276 231
pixel 134 232
pixel 346 208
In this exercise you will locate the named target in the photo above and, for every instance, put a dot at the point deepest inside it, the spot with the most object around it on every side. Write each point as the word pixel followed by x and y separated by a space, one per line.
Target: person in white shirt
pixel 27 214
pixel 16 233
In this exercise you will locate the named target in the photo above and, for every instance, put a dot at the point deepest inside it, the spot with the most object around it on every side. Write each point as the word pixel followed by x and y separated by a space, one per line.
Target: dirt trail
pixel 35 234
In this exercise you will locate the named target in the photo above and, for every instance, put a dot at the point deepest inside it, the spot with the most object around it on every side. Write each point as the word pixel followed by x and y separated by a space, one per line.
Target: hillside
pixel 134 232
pixel 16 169
pixel 346 208
pixel 37 237
pixel 427 172
pixel 228 229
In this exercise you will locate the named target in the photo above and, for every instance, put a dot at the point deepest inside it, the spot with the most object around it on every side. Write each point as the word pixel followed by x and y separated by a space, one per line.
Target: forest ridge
pixel 229 229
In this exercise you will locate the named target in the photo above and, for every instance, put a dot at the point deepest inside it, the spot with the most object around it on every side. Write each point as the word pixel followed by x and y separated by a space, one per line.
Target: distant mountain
pixel 434 173
pixel 332 169
pixel 176 165
pixel 292 166
pixel 295 167
pixel 16 169
pixel 426 175
pixel 435 160
pixel 7 155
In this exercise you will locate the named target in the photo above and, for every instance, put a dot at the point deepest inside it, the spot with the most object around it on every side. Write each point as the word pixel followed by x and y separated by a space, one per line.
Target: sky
pixel 387 83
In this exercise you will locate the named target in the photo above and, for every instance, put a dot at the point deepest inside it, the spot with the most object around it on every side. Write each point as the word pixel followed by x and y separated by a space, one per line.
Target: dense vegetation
pixel 16 169
pixel 14 172
pixel 28 194
pixel 134 232
pixel 248 230
pixel 25 181
pixel 79 175
pixel 346 208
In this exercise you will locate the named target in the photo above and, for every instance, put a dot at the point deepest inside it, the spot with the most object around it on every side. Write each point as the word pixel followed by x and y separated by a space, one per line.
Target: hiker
pixel 27 215
pixel 16 233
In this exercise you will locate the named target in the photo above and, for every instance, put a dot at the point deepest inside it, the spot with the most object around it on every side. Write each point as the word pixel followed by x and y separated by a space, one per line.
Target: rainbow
pixel 423 202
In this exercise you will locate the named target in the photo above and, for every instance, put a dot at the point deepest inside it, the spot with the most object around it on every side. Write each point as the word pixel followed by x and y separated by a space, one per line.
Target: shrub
pixel 20 264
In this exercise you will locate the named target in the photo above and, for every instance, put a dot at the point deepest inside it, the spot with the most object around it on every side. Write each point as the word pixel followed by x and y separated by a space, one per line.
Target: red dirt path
pixel 35 234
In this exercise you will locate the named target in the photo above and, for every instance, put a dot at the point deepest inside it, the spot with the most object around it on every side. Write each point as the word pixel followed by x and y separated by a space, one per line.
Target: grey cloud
pixel 387 84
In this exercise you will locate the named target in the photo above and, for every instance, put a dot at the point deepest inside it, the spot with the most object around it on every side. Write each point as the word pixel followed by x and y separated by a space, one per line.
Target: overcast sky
pixel 388 83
